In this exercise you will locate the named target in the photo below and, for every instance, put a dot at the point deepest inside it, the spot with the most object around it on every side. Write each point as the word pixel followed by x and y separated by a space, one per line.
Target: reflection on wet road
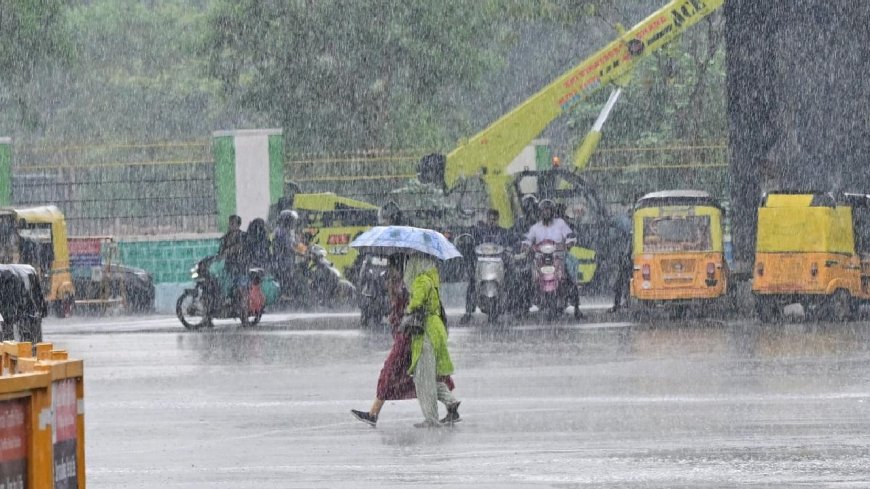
pixel 693 404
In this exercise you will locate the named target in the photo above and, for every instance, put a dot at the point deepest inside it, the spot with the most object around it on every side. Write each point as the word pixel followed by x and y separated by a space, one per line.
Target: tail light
pixel 711 270
pixel 814 270
pixel 644 270
pixel 760 269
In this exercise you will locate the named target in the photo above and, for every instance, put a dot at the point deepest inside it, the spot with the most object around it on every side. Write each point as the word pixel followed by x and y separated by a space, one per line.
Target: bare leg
pixel 376 407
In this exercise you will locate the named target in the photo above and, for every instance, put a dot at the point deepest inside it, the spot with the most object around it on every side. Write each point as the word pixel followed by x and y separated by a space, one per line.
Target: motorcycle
pixel 324 281
pixel 374 301
pixel 554 288
pixel 209 299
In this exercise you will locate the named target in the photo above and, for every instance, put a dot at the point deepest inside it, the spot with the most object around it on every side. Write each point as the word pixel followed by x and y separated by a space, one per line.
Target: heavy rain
pixel 573 243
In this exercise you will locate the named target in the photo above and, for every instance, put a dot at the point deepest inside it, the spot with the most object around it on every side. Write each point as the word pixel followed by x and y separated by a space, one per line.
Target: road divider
pixel 42 424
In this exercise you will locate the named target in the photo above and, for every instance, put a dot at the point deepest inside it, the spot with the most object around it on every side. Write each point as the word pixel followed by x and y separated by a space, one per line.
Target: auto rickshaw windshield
pixel 676 233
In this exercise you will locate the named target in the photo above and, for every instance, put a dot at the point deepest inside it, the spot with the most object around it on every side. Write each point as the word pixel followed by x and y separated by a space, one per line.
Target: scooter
pixel 197 307
pixel 374 301
pixel 490 278
pixel 554 289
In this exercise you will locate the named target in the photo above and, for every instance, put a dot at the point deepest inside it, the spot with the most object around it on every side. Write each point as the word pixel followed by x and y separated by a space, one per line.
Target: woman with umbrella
pixel 431 365
pixel 423 328
pixel 394 382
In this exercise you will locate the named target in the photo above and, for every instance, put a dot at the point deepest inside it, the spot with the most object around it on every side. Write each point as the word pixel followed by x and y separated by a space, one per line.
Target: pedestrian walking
pixel 425 322
pixel 394 382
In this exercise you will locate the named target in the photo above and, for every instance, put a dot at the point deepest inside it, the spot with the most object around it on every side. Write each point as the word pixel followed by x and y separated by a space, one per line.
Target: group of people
pixel 418 364
pixel 542 221
pixel 254 248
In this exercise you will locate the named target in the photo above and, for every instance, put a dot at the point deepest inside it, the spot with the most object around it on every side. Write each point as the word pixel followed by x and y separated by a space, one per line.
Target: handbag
pixel 412 324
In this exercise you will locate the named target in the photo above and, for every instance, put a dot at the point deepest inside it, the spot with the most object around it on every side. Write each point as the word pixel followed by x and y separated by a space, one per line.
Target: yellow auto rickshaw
pixel 43 244
pixel 677 249
pixel 812 248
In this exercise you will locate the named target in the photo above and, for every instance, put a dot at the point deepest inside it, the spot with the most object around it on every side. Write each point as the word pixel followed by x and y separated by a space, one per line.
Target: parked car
pixel 115 281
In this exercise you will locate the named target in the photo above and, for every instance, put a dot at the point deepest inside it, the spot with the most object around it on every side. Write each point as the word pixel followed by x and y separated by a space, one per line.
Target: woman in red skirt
pixel 394 383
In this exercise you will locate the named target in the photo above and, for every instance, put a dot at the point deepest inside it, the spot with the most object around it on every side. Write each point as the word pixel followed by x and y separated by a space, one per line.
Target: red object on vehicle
pixel 256 299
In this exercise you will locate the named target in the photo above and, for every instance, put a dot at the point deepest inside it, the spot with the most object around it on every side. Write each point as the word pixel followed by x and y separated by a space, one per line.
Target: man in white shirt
pixel 549 227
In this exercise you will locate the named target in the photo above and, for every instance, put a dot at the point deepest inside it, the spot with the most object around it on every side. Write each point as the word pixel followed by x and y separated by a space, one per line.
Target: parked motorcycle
pixel 554 288
pixel 325 284
pixel 210 299
pixel 374 301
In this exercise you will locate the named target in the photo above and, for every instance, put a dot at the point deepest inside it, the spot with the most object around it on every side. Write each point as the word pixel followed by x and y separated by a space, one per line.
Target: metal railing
pixel 121 189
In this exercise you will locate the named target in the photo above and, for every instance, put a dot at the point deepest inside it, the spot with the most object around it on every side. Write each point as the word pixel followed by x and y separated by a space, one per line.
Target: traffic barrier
pixel 42 424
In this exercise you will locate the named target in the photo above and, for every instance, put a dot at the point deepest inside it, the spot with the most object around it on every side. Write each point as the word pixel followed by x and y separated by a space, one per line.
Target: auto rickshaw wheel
pixel 768 310
pixel 64 307
pixel 840 306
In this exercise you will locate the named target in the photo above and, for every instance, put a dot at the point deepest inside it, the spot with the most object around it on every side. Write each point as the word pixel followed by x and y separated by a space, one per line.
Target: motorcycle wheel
pixel 551 307
pixel 255 319
pixel 191 311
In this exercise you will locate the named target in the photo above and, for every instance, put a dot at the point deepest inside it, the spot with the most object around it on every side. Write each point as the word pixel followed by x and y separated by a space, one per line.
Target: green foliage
pixel 348 75
pixel 32 33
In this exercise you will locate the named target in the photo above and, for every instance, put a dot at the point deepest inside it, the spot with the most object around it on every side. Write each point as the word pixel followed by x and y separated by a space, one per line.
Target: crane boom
pixel 492 149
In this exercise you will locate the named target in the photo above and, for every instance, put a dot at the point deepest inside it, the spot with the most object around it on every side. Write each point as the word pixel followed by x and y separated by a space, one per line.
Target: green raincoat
pixel 424 294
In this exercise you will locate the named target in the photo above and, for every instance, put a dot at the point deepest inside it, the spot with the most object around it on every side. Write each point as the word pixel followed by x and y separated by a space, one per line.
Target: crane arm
pixel 492 149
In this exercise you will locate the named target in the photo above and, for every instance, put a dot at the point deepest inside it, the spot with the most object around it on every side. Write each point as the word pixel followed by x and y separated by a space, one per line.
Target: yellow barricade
pixel 42 422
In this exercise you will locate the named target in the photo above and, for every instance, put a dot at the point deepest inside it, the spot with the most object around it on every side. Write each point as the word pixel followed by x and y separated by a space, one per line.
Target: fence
pixel 121 189
pixel 618 173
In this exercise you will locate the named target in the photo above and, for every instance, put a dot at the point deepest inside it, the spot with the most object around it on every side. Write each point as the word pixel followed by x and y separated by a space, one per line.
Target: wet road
pixel 599 404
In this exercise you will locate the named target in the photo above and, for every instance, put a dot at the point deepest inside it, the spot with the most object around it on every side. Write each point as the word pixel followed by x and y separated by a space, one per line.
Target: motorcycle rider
pixel 486 232
pixel 232 251
pixel 551 228
pixel 284 249
pixel 529 204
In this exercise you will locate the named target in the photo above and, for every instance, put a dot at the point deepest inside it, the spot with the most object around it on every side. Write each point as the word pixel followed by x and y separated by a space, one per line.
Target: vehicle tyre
pixel 550 306
pixel 767 309
pixel 64 307
pixel 191 311
pixel 254 319
pixel 678 312
pixel 840 307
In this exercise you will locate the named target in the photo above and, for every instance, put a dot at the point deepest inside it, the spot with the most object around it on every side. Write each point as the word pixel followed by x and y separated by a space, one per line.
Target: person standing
pixel 430 360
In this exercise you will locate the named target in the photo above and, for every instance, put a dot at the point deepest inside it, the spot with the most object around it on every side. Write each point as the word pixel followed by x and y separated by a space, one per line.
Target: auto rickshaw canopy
pixel 804 222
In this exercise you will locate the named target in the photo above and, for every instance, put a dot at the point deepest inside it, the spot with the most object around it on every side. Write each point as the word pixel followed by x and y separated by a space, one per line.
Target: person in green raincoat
pixel 430 360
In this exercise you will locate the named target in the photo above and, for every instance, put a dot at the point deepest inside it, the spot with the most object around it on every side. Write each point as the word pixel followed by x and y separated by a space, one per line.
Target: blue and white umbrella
pixel 387 240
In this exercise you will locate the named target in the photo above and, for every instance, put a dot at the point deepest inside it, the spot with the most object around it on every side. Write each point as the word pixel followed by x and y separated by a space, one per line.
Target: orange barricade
pixel 42 423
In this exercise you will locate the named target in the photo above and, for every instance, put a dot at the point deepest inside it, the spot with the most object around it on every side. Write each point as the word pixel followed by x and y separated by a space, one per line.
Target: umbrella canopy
pixel 388 240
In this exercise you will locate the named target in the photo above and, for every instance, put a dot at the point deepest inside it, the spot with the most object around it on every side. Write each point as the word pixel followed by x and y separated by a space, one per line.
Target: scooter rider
pixel 551 228
pixel 486 232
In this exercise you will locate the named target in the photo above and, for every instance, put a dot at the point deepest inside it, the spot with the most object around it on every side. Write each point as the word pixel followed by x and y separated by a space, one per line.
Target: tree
pixel 350 75
pixel 32 33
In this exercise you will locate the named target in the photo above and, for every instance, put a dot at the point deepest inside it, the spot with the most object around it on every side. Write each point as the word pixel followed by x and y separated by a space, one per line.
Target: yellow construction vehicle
pixel 486 155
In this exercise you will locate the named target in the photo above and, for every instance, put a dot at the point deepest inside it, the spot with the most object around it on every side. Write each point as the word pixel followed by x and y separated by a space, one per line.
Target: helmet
pixel 390 214
pixel 529 199
pixel 288 215
pixel 546 204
